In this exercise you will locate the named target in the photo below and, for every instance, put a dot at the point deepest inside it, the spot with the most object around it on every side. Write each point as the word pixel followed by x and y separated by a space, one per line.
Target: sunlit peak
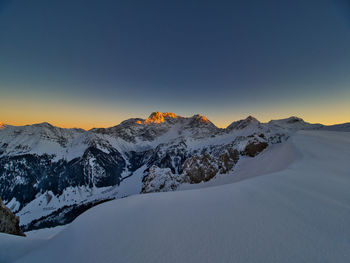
pixel 158 117
pixel 201 118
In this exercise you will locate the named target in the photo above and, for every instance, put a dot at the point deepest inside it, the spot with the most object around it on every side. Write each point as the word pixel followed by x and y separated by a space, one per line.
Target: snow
pixel 34 240
pixel 275 158
pixel 338 127
pixel 39 139
pixel 297 212
pixel 40 206
pixel 13 204
pixel 161 180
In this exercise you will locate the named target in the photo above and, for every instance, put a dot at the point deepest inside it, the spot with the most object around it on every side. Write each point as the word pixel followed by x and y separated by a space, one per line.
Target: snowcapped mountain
pixel 295 209
pixel 160 126
pixel 243 124
pixel 337 127
pixel 49 175
pixel 294 123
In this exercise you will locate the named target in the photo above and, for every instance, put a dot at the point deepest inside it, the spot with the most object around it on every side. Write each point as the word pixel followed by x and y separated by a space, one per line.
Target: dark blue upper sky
pixel 224 58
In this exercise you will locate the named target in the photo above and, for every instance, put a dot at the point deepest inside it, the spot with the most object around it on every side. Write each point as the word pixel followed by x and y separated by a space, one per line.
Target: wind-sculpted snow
pixel 40 160
pixel 299 212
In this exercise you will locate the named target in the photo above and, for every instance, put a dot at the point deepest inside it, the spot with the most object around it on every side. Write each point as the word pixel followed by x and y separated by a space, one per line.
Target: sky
pixel 88 63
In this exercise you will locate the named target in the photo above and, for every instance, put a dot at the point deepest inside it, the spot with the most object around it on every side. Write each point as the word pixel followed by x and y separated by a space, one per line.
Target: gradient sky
pixel 84 63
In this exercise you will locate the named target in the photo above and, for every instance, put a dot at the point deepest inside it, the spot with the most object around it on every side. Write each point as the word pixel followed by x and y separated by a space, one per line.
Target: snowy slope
pixel 299 212
pixel 42 138
pixel 338 127
pixel 44 168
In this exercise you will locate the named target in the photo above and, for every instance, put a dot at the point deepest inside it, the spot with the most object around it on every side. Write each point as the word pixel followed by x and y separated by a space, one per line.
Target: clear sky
pixel 88 63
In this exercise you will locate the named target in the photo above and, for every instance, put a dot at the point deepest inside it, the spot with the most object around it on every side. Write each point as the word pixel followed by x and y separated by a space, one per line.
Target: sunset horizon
pixel 174 131
pixel 224 61
pixel 110 123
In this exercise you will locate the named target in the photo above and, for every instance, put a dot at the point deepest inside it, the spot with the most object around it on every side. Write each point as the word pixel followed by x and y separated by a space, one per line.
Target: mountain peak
pixel 250 119
pixel 159 117
pixel 43 124
pixel 201 118
pixel 241 124
pixel 290 120
pixel 2 125
pixel 294 119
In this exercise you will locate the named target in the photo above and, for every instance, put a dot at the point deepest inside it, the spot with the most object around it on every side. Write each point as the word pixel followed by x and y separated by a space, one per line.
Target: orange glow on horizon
pixel 87 114
pixel 87 124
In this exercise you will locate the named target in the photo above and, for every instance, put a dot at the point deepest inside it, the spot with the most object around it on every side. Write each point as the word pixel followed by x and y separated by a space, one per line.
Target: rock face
pixel 200 168
pixel 160 180
pixel 158 117
pixel 254 148
pixel 227 160
pixel 9 223
pixel 23 177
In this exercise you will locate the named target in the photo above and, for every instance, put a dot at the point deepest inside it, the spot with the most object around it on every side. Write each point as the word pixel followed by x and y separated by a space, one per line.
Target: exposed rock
pixel 9 223
pixel 158 117
pixel 171 155
pixel 160 180
pixel 33 174
pixel 227 160
pixel 254 148
pixel 200 168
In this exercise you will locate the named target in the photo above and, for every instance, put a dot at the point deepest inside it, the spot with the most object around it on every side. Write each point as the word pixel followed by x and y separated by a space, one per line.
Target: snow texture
pixel 297 212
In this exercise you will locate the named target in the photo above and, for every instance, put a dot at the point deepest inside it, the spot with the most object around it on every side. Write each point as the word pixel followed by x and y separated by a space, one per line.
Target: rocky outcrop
pixel 227 160
pixel 200 168
pixel 171 155
pixel 160 180
pixel 158 117
pixel 9 223
pixel 254 148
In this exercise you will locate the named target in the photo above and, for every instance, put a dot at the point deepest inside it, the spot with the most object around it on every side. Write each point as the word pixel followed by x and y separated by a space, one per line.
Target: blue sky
pixel 95 63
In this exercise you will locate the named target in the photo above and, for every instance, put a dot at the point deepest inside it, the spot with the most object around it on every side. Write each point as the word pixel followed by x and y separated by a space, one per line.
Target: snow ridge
pixel 72 167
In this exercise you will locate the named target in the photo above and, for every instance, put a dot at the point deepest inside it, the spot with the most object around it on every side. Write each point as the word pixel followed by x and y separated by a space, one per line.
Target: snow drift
pixel 297 212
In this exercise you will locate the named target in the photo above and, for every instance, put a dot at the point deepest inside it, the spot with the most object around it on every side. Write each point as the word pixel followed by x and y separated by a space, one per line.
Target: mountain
pixel 160 126
pixel 243 124
pixel 337 127
pixel 295 209
pixel 49 175
pixel 294 123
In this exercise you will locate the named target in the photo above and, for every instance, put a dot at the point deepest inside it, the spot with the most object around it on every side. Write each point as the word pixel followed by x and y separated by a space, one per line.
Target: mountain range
pixel 49 175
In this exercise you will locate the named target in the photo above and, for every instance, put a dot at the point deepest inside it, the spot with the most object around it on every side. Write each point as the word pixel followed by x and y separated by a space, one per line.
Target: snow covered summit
pixel 48 175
